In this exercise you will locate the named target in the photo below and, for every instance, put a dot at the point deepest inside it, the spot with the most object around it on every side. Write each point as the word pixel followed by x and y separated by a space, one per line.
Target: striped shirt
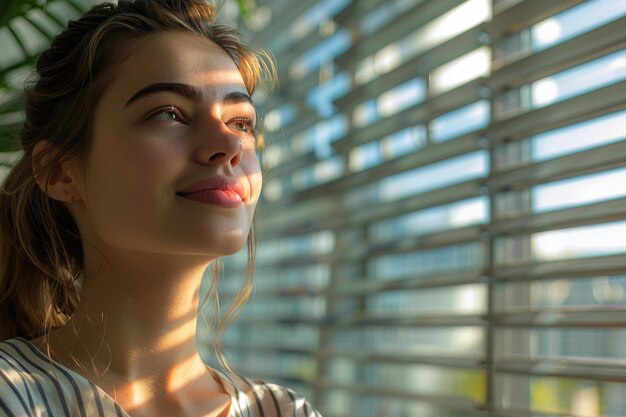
pixel 33 385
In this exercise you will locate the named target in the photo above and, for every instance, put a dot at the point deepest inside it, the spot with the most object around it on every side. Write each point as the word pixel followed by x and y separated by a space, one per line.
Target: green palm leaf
pixel 26 28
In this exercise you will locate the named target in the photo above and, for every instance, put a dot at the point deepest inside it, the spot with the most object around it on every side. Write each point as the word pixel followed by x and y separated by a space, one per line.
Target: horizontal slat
pixel 305 119
pixel 421 113
pixel 580 368
pixel 287 14
pixel 569 269
pixel 355 11
pixel 517 412
pixel 411 320
pixel 274 375
pixel 447 361
pixel 366 286
pixel 361 320
pixel 411 282
pixel 424 242
pixel 305 260
pixel 578 50
pixel 355 252
pixel 289 164
pixel 582 267
pixel 591 161
pixel 449 194
pixel 274 349
pixel 420 158
pixel 603 100
pixel 420 15
pixel 284 218
pixel 304 291
pixel 524 14
pixel 420 65
pixel 451 402
pixel 456 192
pixel 327 214
pixel 604 212
pixel 297 50
pixel 297 89
pixel 564 317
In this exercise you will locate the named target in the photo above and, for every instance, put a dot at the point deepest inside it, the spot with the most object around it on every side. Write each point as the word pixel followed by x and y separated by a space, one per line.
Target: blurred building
pixel 443 231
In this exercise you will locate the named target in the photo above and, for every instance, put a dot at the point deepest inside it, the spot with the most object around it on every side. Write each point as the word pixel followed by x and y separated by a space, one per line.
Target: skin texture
pixel 145 246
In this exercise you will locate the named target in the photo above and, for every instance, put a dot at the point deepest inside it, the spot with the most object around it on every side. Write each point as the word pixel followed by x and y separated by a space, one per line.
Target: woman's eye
pixel 168 114
pixel 241 126
pixel 244 125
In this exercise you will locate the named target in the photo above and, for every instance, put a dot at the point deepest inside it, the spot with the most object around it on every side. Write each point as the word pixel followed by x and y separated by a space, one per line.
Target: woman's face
pixel 173 166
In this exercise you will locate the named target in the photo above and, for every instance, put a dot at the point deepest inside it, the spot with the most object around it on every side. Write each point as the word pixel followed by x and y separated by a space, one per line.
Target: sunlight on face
pixel 172 168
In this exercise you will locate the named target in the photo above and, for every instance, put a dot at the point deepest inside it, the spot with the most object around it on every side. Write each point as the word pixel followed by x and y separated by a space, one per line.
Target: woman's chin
pixel 230 243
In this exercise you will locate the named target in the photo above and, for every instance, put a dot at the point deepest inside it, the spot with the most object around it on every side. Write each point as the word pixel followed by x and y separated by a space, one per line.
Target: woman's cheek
pixel 256 183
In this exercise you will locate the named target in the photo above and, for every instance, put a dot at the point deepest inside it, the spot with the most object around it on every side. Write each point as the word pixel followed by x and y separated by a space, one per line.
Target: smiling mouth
pixel 217 197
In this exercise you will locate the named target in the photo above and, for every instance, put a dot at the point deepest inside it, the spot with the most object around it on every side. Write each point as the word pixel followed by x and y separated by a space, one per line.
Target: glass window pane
pixel 319 54
pixel 581 136
pixel 575 21
pixel 431 220
pixel 441 29
pixel 461 121
pixel 461 70
pixel 434 176
pixel 580 190
pixel 366 156
pixel 384 14
pixel 390 102
pixel 561 395
pixel 555 342
pixel 578 80
pixel 604 239
pixel 421 263
pixel 405 340
pixel 463 299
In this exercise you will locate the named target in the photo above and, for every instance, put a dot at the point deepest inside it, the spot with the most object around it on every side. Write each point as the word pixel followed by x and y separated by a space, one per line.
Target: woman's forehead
pixel 177 57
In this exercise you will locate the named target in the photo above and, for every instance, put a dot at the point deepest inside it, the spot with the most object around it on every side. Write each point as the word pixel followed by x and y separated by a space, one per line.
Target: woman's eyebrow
pixel 237 97
pixel 188 91
pixel 184 90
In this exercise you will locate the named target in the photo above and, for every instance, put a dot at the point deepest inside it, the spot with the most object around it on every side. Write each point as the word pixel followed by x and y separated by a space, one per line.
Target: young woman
pixel 139 170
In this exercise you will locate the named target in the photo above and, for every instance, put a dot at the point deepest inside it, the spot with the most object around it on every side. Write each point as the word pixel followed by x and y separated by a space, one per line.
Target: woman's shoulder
pixel 255 397
pixel 21 361
pixel 33 384
pixel 29 380
pixel 24 374
pixel 15 359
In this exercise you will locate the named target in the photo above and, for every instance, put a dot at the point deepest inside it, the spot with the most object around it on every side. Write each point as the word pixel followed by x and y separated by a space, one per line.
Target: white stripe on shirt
pixel 33 385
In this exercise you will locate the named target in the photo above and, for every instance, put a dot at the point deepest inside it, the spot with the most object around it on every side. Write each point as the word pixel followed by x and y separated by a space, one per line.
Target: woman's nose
pixel 220 146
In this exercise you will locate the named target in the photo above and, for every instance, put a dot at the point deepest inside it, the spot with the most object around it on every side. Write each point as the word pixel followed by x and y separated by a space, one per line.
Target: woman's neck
pixel 134 331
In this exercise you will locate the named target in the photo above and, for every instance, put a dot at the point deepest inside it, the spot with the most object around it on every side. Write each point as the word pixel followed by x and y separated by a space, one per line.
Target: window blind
pixel 443 224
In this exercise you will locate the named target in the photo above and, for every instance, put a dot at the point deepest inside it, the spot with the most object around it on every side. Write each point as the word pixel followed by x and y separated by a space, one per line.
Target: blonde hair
pixel 40 246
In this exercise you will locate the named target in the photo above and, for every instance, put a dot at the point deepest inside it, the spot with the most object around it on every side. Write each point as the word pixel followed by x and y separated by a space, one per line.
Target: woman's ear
pixel 58 180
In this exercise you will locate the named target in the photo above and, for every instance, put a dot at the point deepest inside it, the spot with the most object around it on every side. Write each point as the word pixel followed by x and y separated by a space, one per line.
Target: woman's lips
pixel 219 197
pixel 220 191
